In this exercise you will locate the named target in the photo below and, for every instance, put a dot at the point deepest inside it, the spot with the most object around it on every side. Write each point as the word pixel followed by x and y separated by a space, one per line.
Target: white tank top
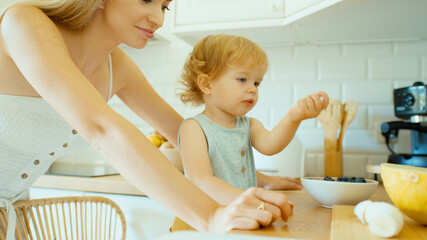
pixel 230 151
pixel 32 136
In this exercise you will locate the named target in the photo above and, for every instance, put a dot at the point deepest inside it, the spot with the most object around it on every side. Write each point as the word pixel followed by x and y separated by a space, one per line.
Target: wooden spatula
pixel 349 114
pixel 331 119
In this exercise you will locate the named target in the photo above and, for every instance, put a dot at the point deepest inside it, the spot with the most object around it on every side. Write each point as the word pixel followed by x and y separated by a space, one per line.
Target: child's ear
pixel 204 83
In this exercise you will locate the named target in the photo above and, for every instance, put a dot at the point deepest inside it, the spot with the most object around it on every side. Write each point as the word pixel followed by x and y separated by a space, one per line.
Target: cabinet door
pixel 293 6
pixel 214 11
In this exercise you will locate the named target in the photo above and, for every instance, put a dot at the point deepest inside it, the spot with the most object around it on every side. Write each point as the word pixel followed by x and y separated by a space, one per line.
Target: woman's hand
pixel 310 106
pixel 243 213
pixel 277 182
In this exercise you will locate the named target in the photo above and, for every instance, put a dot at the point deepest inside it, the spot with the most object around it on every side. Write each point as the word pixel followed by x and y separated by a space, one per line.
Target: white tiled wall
pixel 366 73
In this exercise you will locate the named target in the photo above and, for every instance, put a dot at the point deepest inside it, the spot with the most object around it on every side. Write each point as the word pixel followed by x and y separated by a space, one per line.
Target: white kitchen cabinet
pixel 290 22
pixel 293 6
pixel 196 18
pixel 208 11
pixel 190 12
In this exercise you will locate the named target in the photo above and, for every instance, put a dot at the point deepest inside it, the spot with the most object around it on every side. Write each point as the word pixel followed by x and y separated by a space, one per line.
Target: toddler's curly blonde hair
pixel 211 56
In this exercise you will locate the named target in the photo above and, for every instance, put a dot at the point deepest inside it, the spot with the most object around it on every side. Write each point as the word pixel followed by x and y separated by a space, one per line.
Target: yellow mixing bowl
pixel 407 188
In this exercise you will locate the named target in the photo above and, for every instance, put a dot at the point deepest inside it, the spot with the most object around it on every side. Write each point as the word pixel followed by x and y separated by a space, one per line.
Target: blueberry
pixel 346 179
pixel 360 180
pixel 327 178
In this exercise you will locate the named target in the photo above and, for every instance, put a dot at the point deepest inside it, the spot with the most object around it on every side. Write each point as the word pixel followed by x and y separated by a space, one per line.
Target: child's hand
pixel 282 183
pixel 310 106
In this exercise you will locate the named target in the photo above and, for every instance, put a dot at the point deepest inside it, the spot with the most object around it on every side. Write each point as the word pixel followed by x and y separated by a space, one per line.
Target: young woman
pixel 60 64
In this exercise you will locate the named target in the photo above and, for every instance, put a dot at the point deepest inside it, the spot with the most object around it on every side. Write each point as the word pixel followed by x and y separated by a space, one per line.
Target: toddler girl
pixel 224 72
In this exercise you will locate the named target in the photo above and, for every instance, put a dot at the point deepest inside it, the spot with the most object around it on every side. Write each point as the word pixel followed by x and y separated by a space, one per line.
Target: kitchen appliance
pixel 85 163
pixel 81 170
pixel 410 106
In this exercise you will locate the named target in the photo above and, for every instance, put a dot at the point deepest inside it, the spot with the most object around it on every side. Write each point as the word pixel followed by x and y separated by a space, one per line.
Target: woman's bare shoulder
pixel 22 13
pixel 27 19
pixel 21 19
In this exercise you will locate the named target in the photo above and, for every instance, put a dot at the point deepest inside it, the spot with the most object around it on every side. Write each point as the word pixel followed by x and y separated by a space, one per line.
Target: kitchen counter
pixel 104 184
pixel 72 172
pixel 310 221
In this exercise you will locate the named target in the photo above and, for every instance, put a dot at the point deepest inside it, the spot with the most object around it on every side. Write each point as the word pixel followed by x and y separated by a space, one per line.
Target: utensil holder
pixel 333 163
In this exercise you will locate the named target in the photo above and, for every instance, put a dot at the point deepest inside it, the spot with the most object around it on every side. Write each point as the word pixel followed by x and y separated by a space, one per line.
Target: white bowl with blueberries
pixel 328 191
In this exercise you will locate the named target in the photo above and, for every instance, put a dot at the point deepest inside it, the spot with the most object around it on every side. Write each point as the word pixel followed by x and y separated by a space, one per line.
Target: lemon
pixel 407 188
pixel 166 145
pixel 156 140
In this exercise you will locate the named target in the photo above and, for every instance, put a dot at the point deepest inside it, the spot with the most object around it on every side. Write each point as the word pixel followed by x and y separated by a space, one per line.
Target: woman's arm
pixel 140 96
pixel 274 141
pixel 195 157
pixel 38 49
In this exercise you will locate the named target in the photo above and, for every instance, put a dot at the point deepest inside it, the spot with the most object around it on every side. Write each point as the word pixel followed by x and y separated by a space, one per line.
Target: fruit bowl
pixel 328 193
pixel 407 188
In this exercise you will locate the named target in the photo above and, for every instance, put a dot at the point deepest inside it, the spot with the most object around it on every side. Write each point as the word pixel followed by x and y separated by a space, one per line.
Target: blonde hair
pixel 72 14
pixel 211 55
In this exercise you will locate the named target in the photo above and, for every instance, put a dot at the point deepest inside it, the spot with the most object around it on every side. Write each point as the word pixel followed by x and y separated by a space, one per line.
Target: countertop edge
pixel 115 184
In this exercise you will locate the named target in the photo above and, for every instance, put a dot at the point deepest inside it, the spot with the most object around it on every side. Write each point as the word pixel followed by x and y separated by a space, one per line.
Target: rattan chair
pixel 86 217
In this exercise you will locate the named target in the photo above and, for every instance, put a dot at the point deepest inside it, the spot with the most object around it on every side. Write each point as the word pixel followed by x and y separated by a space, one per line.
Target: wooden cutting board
pixel 345 225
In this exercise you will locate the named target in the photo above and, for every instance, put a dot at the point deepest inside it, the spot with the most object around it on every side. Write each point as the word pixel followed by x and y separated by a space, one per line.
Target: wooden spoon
pixel 331 119
pixel 349 114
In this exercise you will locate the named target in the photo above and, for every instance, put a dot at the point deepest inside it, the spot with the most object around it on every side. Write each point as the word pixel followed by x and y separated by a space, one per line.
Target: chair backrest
pixel 85 217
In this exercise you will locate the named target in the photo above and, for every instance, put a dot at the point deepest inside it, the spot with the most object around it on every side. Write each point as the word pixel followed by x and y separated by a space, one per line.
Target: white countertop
pixel 104 184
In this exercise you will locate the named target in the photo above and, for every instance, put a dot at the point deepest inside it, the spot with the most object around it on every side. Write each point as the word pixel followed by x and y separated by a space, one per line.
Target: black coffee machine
pixel 409 105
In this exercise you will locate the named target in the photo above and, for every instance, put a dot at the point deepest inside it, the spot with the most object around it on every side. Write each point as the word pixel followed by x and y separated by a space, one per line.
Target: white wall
pixel 4 3
pixel 366 73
